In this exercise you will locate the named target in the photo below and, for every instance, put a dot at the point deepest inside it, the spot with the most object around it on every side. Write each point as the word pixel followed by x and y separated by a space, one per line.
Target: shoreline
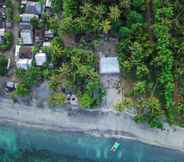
pixel 95 133
pixel 106 124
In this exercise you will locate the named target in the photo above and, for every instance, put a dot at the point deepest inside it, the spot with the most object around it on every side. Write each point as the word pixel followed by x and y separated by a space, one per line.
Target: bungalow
pixel 109 65
pixel 40 58
pixel 26 37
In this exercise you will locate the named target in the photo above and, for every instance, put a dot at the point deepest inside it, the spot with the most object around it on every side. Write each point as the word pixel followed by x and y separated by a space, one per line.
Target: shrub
pixel 137 3
pixel 85 101
pixel 9 9
pixel 57 98
pixel 134 17
pixel 124 32
pixel 122 105
pixel 22 90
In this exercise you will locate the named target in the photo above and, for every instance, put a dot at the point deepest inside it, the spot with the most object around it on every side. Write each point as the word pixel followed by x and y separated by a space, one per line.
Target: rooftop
pixel 33 8
pixel 109 65
pixel 27 37
pixel 24 63
pixel 40 58
pixel 25 52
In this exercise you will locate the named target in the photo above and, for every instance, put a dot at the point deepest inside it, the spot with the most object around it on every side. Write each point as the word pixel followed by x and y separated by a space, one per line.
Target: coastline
pixel 97 123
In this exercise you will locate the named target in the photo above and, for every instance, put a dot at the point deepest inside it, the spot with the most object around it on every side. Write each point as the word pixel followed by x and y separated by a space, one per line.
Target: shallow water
pixel 20 144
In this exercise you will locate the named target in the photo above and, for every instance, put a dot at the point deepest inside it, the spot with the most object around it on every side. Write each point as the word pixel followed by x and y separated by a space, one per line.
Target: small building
pixel 40 58
pixel 33 8
pixel 23 57
pixel 25 52
pixel 24 64
pixel 109 65
pixel 26 36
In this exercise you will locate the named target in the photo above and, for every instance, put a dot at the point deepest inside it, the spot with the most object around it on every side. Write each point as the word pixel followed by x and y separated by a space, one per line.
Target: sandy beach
pixel 98 122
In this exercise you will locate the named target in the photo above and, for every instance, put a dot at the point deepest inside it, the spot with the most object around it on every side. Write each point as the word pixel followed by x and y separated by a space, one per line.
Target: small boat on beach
pixel 115 147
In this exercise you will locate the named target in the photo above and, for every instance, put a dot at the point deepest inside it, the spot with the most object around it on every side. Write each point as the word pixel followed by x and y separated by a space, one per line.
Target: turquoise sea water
pixel 19 144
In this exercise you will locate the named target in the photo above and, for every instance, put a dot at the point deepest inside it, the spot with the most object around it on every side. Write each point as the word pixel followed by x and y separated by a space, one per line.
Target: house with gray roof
pixel 26 36
pixel 33 8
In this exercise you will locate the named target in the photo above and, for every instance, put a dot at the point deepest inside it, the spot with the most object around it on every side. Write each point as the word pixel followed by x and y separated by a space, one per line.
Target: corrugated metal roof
pixel 109 65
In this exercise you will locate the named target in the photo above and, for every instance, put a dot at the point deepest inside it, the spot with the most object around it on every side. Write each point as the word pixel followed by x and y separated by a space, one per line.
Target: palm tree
pixel 95 23
pixel 125 3
pixel 81 24
pixel 114 13
pixel 100 11
pixel 106 25
pixel 87 9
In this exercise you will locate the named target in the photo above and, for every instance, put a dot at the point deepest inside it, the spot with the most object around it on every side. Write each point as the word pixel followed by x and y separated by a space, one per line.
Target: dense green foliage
pixel 3 65
pixel 9 9
pixel 7 42
pixel 76 74
pixel 150 48
pixel 57 99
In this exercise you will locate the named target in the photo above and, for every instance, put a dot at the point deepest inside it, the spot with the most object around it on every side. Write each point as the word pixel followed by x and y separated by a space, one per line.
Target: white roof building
pixel 109 65
pixel 40 58
pixel 26 37
pixel 24 63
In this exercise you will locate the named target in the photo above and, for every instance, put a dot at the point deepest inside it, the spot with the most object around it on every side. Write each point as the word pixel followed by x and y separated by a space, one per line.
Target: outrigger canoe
pixel 115 147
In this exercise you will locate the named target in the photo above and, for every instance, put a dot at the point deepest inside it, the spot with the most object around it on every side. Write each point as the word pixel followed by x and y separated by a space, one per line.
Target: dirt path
pixel 15 31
